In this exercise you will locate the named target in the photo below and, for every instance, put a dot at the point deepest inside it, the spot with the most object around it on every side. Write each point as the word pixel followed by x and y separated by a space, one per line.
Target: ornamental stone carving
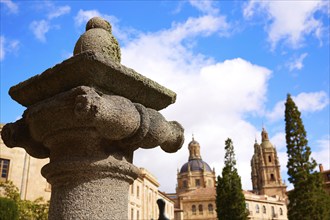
pixel 89 114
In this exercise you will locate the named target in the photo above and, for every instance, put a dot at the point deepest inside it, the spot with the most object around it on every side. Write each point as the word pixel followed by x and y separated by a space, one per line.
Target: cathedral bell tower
pixel 265 169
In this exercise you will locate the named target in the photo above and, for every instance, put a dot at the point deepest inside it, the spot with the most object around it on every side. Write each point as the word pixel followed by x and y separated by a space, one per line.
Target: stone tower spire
pixel 264 135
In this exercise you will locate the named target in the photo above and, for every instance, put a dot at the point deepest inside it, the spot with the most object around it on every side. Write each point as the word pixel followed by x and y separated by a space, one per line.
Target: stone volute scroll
pixel 88 115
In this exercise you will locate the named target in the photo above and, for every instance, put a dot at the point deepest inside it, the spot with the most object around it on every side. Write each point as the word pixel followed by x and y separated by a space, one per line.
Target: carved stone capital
pixel 88 114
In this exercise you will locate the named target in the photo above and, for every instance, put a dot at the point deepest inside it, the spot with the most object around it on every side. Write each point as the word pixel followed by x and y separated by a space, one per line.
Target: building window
pixel 257 208
pixel 273 211
pixel 197 182
pixel 184 183
pixel 200 209
pixel 281 211
pixel 264 209
pixel 210 207
pixel 132 188
pixel 247 206
pixel 193 209
pixel 272 178
pixel 132 214
pixel 137 215
pixel 137 191
pixel 4 168
pixel 269 159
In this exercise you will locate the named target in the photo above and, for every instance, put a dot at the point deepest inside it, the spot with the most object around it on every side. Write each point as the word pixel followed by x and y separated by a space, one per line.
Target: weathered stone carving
pixel 88 114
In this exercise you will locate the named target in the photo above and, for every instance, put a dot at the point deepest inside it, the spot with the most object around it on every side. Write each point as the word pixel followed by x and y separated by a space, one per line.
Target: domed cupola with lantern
pixel 196 173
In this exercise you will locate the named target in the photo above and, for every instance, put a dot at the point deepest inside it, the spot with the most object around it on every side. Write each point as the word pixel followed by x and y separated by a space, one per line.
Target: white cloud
pixel 279 141
pixel 297 63
pixel 204 6
pixel 59 11
pixel 311 102
pixel 2 47
pixel 306 102
pixel 11 6
pixel 212 97
pixel 288 21
pixel 204 25
pixel 39 29
pixel 10 46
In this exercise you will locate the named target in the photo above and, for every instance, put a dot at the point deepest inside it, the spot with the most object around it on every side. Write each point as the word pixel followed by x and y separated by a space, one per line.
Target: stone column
pixel 89 114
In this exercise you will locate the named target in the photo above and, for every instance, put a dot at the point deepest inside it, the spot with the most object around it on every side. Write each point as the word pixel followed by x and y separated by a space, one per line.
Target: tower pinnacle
pixel 194 150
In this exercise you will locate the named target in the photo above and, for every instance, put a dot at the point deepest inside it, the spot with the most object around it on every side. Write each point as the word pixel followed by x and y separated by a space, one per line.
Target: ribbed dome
pixel 195 165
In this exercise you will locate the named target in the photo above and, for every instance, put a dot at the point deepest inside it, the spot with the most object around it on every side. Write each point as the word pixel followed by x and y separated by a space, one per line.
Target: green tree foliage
pixel 8 209
pixel 27 210
pixel 308 200
pixel 230 201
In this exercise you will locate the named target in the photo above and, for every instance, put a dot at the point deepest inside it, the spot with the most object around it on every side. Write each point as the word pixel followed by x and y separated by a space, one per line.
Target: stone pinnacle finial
pixel 98 38
pixel 98 22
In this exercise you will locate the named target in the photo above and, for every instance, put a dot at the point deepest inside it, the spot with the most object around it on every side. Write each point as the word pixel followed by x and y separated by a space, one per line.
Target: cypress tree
pixel 308 200
pixel 230 201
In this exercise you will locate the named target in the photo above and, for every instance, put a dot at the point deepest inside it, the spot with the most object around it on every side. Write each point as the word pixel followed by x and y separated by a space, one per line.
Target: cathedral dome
pixel 195 162
pixel 267 144
pixel 195 165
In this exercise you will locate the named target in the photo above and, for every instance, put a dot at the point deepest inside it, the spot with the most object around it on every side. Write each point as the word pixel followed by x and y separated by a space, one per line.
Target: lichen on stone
pixel 98 38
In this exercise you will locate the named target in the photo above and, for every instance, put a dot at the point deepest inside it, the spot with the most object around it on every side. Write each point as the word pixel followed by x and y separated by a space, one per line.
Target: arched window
pixel 193 209
pixel 257 208
pixel 200 209
pixel 185 183
pixel 264 209
pixel 269 158
pixel 272 177
pixel 273 211
pixel 210 207
pixel 281 211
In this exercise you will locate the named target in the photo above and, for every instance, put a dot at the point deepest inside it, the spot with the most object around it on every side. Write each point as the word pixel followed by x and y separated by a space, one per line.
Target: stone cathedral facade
pixel 265 169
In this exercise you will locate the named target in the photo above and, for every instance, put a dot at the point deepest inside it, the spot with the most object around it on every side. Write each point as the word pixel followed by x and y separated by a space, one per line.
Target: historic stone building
pixel 196 186
pixel 195 192
pixel 265 169
pixel 265 207
pixel 143 198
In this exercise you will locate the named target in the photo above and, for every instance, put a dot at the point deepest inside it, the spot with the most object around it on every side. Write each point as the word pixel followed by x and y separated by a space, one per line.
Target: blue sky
pixel 231 63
